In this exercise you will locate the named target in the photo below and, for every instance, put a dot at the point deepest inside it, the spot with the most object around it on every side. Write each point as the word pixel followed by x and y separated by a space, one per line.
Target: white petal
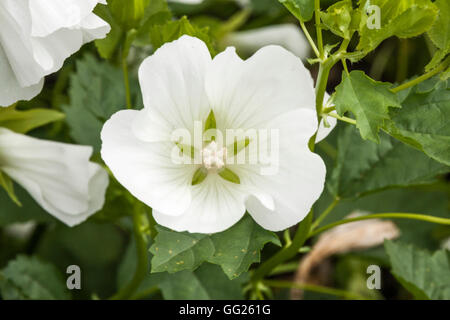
pixel 33 57
pixel 146 169
pixel 58 176
pixel 172 83
pixel 16 42
pixel 49 16
pixel 297 183
pixel 286 35
pixel 216 205
pixel 94 28
pixel 10 89
pixel 247 94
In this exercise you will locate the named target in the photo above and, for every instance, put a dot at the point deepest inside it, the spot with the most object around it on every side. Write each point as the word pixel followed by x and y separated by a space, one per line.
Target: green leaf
pixel 338 18
pixel 400 18
pixel 440 31
pixel 234 249
pixel 7 184
pixel 425 275
pixel 96 93
pixel 229 175
pixel 24 121
pixel 156 13
pixel 207 283
pixel 176 251
pixel 27 278
pixel 128 13
pixel 363 166
pixel 423 120
pixel 108 45
pixel 160 34
pixel 368 100
pixel 237 248
pixel 301 9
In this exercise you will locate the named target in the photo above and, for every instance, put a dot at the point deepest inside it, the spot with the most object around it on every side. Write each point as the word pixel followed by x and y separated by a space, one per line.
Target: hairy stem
pixel 314 288
pixel 126 81
pixel 318 27
pixel 286 252
pixel 412 216
pixel 345 119
pixel 324 214
pixel 423 77
pixel 310 40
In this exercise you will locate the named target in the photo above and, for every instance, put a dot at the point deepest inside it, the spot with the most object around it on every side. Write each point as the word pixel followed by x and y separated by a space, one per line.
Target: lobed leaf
pixel 425 275
pixel 368 100
pixel 364 167
pixel 423 120
pixel 234 249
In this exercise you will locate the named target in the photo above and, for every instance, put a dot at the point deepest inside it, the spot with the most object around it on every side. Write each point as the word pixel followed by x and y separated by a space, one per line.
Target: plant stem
pixel 321 84
pixel 142 258
pixel 318 27
pixel 324 214
pixel 345 119
pixel 423 77
pixel 315 288
pixel 310 40
pixel 126 81
pixel 286 253
pixel 285 268
pixel 412 216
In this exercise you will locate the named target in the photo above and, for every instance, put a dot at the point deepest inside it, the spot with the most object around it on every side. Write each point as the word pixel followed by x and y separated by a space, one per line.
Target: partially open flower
pixel 36 36
pixel 219 137
pixel 58 176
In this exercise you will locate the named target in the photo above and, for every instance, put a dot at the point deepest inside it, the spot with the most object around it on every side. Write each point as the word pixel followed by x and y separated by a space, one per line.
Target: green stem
pixel 412 216
pixel 318 27
pixel 285 268
pixel 345 119
pixel 423 77
pixel 286 253
pixel 126 81
pixel 142 258
pixel 321 85
pixel 315 288
pixel 324 214
pixel 310 40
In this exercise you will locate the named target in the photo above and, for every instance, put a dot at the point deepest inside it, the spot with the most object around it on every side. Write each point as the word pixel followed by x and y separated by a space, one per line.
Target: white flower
pixel 58 176
pixel 36 36
pixel 286 35
pixel 181 85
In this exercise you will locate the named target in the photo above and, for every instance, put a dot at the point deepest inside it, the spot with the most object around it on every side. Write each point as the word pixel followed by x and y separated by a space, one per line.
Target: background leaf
pixel 96 93
pixel 28 278
pixel 425 275
pixel 364 166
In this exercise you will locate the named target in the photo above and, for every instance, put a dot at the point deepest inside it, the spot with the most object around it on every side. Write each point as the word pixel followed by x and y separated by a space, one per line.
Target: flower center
pixel 213 157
